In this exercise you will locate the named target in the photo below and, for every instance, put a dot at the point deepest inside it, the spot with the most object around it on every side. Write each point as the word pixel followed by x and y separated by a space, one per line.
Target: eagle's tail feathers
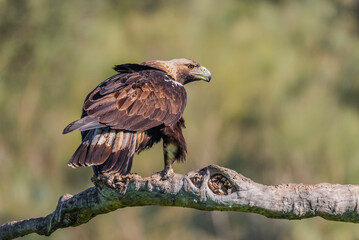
pixel 110 150
pixel 101 146
pixel 121 157
pixel 80 153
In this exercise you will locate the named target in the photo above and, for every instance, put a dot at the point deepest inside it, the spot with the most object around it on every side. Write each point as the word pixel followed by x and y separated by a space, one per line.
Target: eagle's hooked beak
pixel 204 74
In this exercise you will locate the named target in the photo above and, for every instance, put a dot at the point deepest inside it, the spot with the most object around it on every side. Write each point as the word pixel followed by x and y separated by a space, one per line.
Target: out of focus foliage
pixel 282 106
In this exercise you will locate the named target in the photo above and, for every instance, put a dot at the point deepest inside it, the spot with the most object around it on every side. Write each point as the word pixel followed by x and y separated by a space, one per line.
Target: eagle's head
pixel 182 70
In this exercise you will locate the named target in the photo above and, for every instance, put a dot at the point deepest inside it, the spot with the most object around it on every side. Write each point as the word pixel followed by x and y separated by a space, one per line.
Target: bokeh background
pixel 282 105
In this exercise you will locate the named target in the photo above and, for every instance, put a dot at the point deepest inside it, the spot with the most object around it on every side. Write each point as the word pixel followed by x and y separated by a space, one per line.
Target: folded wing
pixel 134 101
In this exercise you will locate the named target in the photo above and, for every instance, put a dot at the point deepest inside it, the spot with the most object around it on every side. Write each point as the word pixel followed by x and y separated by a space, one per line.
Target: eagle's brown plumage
pixel 131 111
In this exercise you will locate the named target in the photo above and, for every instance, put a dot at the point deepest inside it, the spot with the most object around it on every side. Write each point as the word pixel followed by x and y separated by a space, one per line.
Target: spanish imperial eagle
pixel 133 110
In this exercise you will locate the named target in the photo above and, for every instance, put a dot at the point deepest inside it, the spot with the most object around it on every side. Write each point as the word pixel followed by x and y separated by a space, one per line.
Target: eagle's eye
pixel 190 66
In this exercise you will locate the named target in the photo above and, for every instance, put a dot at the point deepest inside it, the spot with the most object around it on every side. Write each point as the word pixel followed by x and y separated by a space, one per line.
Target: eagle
pixel 131 111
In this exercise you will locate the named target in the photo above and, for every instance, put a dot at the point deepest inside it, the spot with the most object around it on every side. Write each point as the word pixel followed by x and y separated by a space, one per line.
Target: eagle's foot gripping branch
pixel 166 173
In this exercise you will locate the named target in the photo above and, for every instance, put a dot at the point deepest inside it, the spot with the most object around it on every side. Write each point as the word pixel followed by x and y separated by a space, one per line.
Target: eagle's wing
pixel 135 101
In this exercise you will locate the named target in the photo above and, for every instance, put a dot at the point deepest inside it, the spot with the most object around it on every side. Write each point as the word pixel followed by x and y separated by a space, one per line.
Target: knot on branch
pixel 197 178
pixel 220 185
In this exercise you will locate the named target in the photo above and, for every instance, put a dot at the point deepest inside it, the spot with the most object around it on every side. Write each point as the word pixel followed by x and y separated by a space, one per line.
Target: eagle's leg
pixel 174 147
pixel 170 151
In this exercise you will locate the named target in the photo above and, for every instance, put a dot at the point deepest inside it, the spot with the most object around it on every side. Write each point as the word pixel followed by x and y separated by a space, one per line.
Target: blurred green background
pixel 282 105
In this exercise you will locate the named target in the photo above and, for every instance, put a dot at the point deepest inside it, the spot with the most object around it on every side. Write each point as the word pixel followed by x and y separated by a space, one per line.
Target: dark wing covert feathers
pixel 137 101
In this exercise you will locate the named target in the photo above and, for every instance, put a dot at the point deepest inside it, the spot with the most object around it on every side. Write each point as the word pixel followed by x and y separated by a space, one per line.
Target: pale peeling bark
pixel 211 188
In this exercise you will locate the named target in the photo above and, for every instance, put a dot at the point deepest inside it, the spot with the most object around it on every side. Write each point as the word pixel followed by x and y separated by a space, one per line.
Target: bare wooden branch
pixel 211 188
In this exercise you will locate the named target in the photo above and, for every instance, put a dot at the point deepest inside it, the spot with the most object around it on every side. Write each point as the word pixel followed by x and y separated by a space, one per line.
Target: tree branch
pixel 211 188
